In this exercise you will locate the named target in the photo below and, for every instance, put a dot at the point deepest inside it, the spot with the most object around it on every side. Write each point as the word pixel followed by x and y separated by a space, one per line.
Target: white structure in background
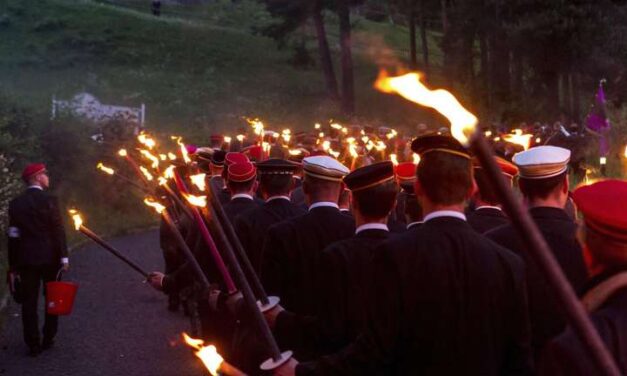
pixel 87 106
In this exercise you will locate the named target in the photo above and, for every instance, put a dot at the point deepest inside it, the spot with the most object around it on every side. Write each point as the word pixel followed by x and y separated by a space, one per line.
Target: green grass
pixel 197 69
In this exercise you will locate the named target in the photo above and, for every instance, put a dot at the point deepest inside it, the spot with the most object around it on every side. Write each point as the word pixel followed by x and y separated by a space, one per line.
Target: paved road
pixel 119 326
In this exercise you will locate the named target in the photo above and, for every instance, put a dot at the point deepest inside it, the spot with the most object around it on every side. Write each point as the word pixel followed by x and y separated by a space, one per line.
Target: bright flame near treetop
pixel 76 217
pixel 463 123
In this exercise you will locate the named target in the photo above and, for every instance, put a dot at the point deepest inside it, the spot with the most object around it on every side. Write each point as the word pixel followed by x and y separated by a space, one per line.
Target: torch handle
pixel 540 251
pixel 132 183
pixel 90 234
pixel 202 227
pixel 227 227
pixel 202 278
pixel 178 201
pixel 135 167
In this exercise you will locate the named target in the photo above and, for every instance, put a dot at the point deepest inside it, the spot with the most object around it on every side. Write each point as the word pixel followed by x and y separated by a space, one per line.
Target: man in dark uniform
pixel 224 196
pixel 242 184
pixel 444 299
pixel 543 181
pixel 345 270
pixel 298 196
pixel 487 213
pixel 37 251
pixel 275 183
pixel 292 248
pixel 604 237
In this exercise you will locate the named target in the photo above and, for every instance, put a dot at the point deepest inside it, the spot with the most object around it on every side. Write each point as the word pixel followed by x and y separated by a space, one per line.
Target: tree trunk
pixel 348 94
pixel 423 36
pixel 444 16
pixel 484 66
pixel 499 65
pixel 325 53
pixel 576 98
pixel 413 61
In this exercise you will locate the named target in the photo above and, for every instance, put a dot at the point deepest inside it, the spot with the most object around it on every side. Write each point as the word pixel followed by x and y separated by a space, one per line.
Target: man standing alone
pixel 37 251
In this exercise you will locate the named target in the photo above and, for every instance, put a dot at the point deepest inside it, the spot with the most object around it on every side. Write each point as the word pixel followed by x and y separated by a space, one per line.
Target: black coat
pixel 484 219
pixel 238 205
pixel 252 226
pixel 559 230
pixel 291 254
pixel 565 356
pixel 397 221
pixel 298 196
pixel 36 234
pixel 344 279
pixel 444 300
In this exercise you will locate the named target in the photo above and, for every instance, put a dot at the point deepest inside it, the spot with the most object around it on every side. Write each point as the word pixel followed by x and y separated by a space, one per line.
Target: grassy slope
pixel 197 69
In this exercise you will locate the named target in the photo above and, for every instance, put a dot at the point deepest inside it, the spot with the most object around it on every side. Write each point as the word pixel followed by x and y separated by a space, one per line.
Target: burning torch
pixel 78 224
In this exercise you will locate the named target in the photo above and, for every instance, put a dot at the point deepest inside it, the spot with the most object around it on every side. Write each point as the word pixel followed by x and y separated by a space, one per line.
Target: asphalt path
pixel 119 325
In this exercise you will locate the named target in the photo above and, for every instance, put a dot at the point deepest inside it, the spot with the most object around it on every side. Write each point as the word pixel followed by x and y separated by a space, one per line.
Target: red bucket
pixel 60 297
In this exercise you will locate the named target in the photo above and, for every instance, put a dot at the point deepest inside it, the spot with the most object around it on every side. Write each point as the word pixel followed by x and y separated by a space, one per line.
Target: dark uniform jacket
pixel 36 235
pixel 298 196
pixel 344 281
pixel 444 301
pixel 291 254
pixel 484 219
pixel 565 355
pixel 560 233
pixel 251 226
pixel 239 205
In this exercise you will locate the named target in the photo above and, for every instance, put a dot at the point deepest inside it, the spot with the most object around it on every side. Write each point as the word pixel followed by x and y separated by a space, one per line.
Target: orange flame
pixel 171 156
pixel 149 156
pixel 391 134
pixel 169 172
pixel 416 159
pixel 518 138
pixel 122 153
pixel 207 354
pixel 394 159
pixel 184 153
pixel 146 140
pixel 199 181
pixel 463 123
pixel 602 160
pixel 227 139
pixel 625 154
pixel 257 126
pixel 76 217
pixel 196 200
pixel 105 169
pixel 336 126
pixel 295 152
pixel 154 204
pixel 147 174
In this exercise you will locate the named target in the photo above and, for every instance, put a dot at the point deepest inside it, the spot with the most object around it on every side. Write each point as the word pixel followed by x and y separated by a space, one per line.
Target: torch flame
pixel 199 181
pixel 519 138
pixel 147 174
pixel 463 123
pixel 163 157
pixel 336 126
pixel 625 154
pixel 76 217
pixel 169 172
pixel 149 156
pixel 207 354
pixel 146 140
pixel 257 126
pixel 352 150
pixel 227 139
pixel 105 169
pixel 240 137
pixel 394 159
pixel 295 152
pixel 122 153
pixel 154 204
pixel 171 156
pixel 416 159
pixel 196 200
pixel 184 153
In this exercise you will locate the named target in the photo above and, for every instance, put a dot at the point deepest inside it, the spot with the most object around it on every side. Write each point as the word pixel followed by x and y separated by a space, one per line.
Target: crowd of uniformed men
pixel 408 269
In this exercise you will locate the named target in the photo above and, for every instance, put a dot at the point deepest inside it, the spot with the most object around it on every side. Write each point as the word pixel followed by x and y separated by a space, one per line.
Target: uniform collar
pixel 414 224
pixel 242 195
pixel 324 204
pixel 272 198
pixel 444 213
pixel 372 226
pixel 35 187
pixel 488 207
pixel 549 212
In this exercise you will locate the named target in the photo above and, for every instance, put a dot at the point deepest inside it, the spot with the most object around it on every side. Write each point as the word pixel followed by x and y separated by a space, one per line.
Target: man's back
pixel 445 301
pixel 291 253
pixel 484 219
pixel 560 233
pixel 252 226
pixel 41 239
